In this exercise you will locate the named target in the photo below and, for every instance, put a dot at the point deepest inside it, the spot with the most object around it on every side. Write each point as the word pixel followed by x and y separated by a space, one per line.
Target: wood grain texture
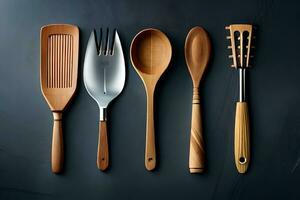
pixel 57 153
pixel 59 64
pixel 241 137
pixel 58 73
pixel 197 55
pixel 240 37
pixel 197 154
pixel 197 51
pixel 150 54
pixel 103 152
pixel 150 151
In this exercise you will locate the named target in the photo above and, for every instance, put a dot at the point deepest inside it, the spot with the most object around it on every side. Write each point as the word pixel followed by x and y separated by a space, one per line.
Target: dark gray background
pixel 273 93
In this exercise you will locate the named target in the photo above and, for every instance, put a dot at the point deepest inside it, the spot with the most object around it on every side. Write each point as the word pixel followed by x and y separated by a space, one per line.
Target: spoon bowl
pixel 197 53
pixel 150 54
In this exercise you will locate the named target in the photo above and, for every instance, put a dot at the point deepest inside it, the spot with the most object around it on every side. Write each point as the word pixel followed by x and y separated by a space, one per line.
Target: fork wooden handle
pixel 197 154
pixel 241 137
pixel 57 154
pixel 103 155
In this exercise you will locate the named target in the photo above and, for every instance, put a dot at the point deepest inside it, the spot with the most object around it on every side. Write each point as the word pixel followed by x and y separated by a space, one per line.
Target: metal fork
pixel 104 79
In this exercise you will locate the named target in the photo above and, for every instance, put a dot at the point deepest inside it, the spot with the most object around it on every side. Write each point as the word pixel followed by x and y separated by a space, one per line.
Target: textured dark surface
pixel 273 93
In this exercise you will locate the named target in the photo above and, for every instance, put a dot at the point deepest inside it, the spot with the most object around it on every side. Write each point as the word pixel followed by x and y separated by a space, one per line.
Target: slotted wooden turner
pixel 59 68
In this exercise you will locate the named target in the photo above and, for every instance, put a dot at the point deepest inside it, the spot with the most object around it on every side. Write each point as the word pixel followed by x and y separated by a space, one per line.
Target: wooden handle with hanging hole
pixel 197 154
pixel 150 152
pixel 241 137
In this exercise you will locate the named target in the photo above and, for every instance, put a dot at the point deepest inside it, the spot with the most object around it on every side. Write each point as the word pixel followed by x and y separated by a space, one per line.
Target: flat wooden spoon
pixel 150 54
pixel 197 54
pixel 59 72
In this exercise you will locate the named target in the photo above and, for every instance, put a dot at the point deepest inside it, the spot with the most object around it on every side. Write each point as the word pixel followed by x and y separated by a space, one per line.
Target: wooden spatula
pixel 241 36
pixel 59 67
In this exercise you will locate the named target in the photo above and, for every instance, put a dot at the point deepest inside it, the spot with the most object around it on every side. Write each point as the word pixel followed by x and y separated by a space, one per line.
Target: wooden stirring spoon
pixel 197 54
pixel 150 54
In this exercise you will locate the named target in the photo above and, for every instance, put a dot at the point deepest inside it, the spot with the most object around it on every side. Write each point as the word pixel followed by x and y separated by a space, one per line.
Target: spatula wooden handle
pixel 150 152
pixel 241 137
pixel 103 155
pixel 197 154
pixel 57 154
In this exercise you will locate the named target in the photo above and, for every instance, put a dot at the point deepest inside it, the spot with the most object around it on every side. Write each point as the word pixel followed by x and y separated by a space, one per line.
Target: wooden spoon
pixel 197 54
pixel 150 54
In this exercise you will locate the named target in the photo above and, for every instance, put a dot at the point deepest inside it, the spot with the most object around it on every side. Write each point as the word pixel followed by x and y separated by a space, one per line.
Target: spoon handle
pixel 241 137
pixel 197 155
pixel 150 153
pixel 57 153
pixel 103 155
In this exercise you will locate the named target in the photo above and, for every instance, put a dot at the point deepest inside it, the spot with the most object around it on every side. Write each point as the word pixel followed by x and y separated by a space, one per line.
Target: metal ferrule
pixel 102 114
pixel 242 85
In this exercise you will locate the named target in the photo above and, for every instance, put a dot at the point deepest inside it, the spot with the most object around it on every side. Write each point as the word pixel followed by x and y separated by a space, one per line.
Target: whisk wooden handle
pixel 57 154
pixel 197 154
pixel 241 137
pixel 103 155
pixel 150 152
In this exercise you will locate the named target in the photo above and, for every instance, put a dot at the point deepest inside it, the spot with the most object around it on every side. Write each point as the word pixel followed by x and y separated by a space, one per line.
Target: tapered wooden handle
pixel 103 155
pixel 197 154
pixel 241 137
pixel 150 152
pixel 57 153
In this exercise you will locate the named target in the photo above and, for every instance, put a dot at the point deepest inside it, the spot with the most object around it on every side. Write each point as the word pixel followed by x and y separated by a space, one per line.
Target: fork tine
pixel 107 43
pixel 92 46
pixel 100 42
pixel 117 49
pixel 113 42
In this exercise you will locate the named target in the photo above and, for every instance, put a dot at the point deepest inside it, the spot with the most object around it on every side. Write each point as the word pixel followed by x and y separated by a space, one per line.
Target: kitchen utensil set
pixel 150 54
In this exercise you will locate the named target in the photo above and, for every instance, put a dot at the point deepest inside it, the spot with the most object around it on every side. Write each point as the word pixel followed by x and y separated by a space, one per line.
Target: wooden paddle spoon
pixel 197 54
pixel 59 69
pixel 150 54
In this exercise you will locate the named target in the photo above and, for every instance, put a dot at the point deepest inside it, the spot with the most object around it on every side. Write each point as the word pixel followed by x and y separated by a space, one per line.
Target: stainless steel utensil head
pixel 104 68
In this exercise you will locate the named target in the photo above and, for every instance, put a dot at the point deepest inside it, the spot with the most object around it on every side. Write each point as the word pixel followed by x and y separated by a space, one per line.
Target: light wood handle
pixel 150 153
pixel 103 155
pixel 57 153
pixel 197 154
pixel 241 137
